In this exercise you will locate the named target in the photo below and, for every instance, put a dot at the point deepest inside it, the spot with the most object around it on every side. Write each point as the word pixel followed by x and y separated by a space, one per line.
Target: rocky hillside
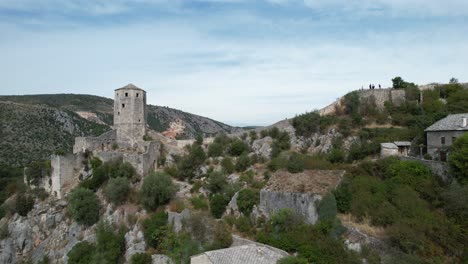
pixel 35 126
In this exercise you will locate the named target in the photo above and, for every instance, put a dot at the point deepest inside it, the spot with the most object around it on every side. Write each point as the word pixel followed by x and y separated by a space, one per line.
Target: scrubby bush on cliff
pixel 141 258
pixel 110 246
pixel 117 190
pixel 107 170
pixel 83 206
pixel 217 181
pixel 242 163
pixel 296 163
pixel 157 190
pixel 228 165
pixel 247 199
pixel 215 150
pixel 23 204
pixel 238 147
pixel 81 253
pixel 155 228
pixel 459 159
pixel 188 164
pixel 218 203
pixel 292 260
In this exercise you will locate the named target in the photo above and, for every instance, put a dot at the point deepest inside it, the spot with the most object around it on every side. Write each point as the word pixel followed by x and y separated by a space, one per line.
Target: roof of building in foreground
pixel 130 86
pixel 450 123
pixel 244 254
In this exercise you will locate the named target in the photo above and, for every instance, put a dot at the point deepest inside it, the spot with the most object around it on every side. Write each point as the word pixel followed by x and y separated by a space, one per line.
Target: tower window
pixel 118 113
pixel 123 105
pixel 126 94
pixel 137 95
pixel 139 120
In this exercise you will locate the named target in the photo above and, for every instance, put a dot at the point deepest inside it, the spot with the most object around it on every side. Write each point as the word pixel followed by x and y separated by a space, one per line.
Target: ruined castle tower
pixel 130 114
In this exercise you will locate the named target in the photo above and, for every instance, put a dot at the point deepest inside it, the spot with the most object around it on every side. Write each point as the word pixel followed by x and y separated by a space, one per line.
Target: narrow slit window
pixel 137 95
pixel 123 105
pixel 118 113
pixel 126 94
pixel 442 140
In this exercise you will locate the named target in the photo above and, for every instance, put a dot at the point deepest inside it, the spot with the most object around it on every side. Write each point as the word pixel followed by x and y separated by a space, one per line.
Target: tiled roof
pixel 450 123
pixel 388 145
pixel 130 86
pixel 246 254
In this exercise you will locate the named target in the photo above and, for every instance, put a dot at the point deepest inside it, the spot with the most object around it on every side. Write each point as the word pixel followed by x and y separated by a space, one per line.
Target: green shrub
pixel 117 190
pixel 23 204
pixel 157 190
pixel 81 253
pixel 253 135
pixel 292 260
pixel 459 159
pixel 199 202
pixel 336 155
pixel 296 163
pixel 155 229
pixel 343 197
pixel 141 258
pixel 110 246
pixel 242 163
pixel 215 150
pixel 222 237
pixel 327 208
pixel 218 203
pixel 244 225
pixel 188 165
pixel 4 233
pixel 228 165
pixel 37 170
pixel 247 199
pixel 83 206
pixel 217 181
pixel 238 147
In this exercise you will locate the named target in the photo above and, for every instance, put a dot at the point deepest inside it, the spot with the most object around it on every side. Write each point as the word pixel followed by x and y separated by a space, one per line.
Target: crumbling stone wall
pixel 104 142
pixel 65 170
pixel 303 204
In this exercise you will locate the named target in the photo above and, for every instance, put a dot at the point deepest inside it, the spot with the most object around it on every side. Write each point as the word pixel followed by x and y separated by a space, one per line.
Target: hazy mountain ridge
pixel 35 126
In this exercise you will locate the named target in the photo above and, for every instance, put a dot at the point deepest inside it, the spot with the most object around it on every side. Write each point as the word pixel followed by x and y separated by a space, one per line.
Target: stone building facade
pixel 126 142
pixel 441 135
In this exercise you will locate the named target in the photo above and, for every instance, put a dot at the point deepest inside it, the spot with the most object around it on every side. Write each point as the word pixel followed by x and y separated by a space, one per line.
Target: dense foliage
pixel 459 159
pixel 157 190
pixel 117 190
pixel 83 206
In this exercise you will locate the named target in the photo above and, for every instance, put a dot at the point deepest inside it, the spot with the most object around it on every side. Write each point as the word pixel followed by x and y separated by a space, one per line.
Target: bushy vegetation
pixel 157 190
pixel 247 199
pixel 404 197
pixel 287 231
pixel 81 253
pixel 109 247
pixel 83 206
pixel 188 164
pixel 117 190
pixel 459 159
pixel 23 204
pixel 141 258
pixel 107 170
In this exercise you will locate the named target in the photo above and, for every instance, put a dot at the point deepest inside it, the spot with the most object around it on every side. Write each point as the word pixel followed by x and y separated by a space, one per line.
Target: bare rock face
pixel 7 251
pixel 262 146
pixel 135 242
pixel 232 208
pixel 176 219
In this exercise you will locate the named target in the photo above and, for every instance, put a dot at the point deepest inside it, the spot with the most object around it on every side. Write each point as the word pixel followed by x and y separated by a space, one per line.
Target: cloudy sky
pixel 242 62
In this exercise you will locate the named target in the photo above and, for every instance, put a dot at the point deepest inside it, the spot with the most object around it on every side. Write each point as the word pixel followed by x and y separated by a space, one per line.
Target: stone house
pixel 397 148
pixel 441 135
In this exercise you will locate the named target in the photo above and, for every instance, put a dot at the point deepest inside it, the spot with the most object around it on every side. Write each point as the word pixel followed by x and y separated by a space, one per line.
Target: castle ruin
pixel 127 141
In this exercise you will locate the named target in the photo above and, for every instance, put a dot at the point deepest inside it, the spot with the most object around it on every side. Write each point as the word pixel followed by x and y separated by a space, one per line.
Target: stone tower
pixel 130 114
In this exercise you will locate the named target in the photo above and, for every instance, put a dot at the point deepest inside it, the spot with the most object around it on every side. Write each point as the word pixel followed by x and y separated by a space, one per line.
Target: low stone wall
pixel 104 142
pixel 437 167
pixel 304 204
pixel 65 170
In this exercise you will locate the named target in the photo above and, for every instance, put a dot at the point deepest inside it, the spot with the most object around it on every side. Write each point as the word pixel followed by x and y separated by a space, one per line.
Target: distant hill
pixel 34 126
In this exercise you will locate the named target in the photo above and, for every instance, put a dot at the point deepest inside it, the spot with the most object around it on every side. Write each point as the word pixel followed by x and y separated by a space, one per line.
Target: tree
pixel 157 189
pixel 218 203
pixel 247 199
pixel 296 163
pixel 117 190
pixel 458 159
pixel 228 165
pixel 24 203
pixel 398 83
pixel 242 163
pixel 110 245
pixel 215 150
pixel 238 147
pixel 81 253
pixel 83 206
pixel 216 182
pixel 453 80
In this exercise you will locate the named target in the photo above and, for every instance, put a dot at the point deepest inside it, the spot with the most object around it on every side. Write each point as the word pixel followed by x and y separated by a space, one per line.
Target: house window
pixel 123 105
pixel 137 95
pixel 126 94
pixel 442 140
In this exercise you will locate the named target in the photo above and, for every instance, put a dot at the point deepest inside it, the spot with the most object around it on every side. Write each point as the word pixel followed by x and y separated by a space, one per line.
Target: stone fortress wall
pixel 125 141
pixel 397 97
